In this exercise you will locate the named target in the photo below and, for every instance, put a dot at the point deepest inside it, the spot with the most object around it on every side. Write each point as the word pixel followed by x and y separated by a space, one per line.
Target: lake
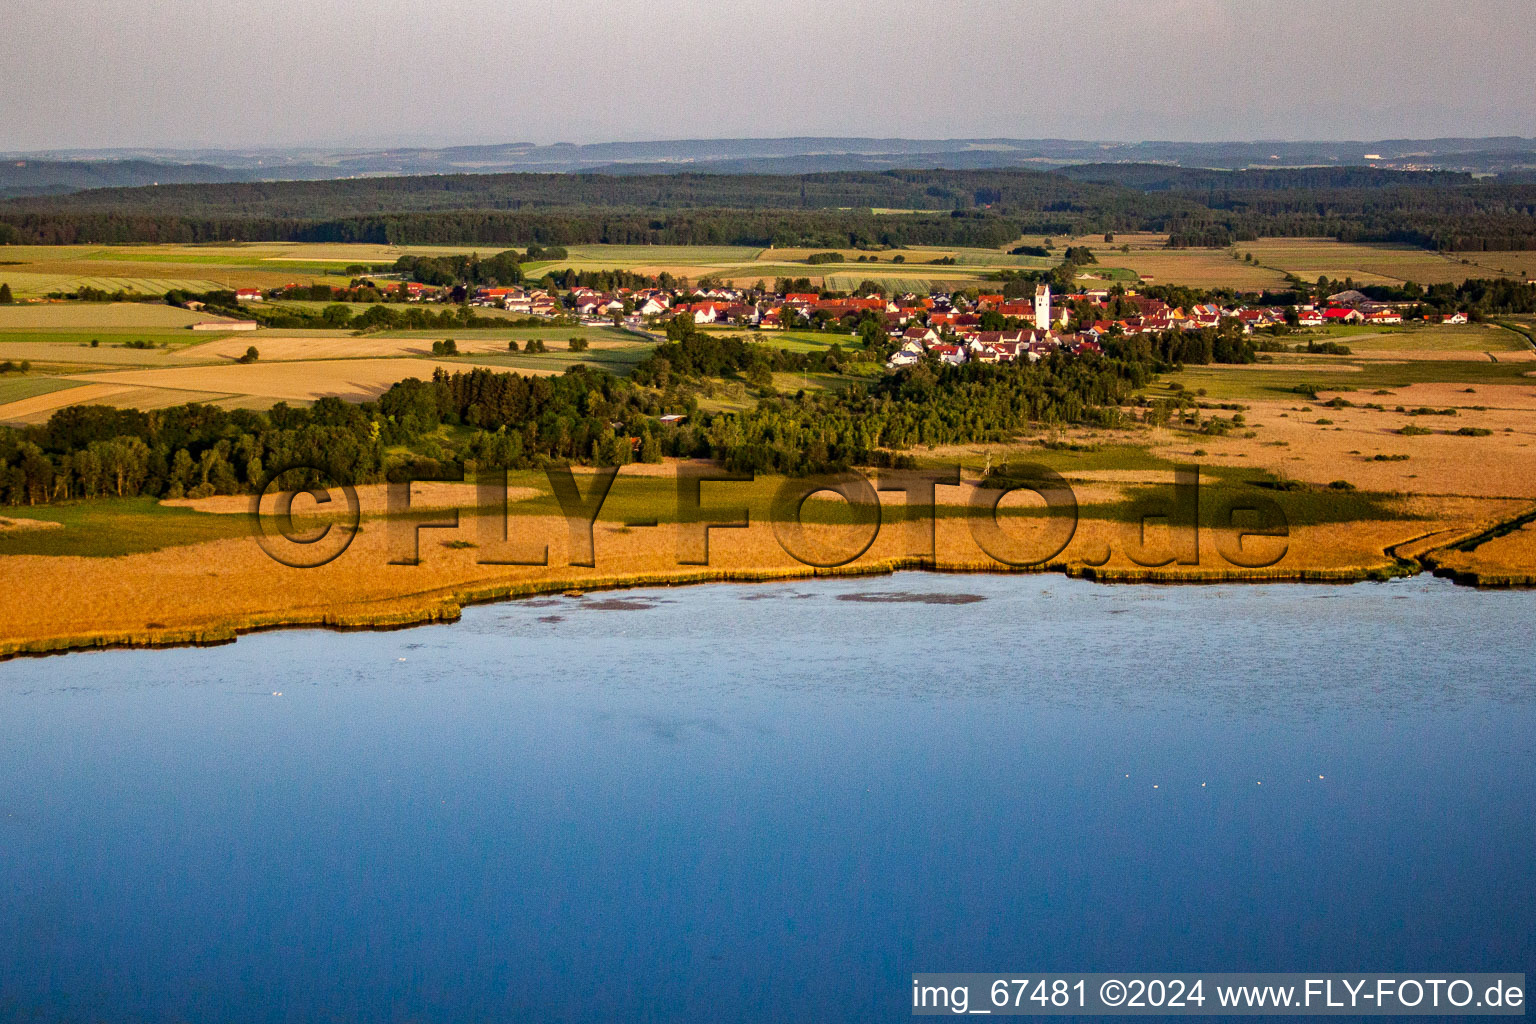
pixel 770 802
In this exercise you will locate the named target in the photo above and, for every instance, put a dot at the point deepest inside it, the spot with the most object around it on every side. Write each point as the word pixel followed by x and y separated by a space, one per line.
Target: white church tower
pixel 1043 307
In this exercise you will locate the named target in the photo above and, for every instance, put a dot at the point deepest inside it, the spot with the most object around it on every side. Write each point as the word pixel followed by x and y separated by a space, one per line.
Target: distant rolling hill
pixel 25 177
pixel 67 171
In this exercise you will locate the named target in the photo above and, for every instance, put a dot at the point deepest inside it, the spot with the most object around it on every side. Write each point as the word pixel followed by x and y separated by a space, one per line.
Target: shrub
pixel 1412 431
pixel 578 344
pixel 1473 432
pixel 251 355
pixel 1341 485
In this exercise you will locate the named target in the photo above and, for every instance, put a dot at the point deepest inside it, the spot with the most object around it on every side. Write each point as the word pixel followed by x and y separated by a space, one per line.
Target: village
pixel 957 328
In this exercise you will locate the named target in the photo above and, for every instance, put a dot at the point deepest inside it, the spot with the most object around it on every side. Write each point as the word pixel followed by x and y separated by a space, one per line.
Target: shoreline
pixel 437 607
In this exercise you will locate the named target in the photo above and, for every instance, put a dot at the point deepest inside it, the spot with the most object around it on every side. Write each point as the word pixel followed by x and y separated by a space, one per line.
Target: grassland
pixel 137 573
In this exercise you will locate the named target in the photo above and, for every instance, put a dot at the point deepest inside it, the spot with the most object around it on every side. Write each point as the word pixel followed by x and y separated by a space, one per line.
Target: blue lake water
pixel 773 802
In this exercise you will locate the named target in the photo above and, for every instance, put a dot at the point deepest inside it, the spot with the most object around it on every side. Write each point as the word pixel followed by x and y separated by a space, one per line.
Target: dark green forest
pixel 985 208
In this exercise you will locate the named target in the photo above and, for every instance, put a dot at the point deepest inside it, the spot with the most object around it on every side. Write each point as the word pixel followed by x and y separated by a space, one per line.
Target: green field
pixel 1423 338
pixel 1236 383
pixel 109 527
pixel 15 387
pixel 794 341
pixel 109 337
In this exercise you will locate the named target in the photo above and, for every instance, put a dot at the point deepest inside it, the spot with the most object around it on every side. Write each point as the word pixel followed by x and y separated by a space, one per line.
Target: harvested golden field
pixel 88 316
pixel 38 408
pixel 355 380
pixel 1198 268
pixel 279 347
pixel 1380 264
pixel 80 355
pixel 1307 258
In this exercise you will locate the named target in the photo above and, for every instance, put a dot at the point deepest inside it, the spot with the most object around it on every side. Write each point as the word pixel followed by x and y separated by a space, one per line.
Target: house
pixel 1384 316
pixel 1341 315
pixel 1309 318
pixel 951 354
pixel 702 312
pixel 248 295
pixel 903 358
pixel 1449 318
pixel 652 306
pixel 922 335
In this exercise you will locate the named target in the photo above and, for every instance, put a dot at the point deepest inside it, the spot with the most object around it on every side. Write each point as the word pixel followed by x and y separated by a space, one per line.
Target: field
pixel 1324 373
pixel 1423 340
pixel 16 388
pixel 37 270
pixel 294 366
pixel 97 316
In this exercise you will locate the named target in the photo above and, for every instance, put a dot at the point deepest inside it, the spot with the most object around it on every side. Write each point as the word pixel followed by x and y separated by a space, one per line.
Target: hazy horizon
pixel 174 74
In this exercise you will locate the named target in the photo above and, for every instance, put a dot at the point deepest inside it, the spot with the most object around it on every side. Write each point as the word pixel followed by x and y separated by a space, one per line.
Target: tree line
pixel 986 208
pixel 583 416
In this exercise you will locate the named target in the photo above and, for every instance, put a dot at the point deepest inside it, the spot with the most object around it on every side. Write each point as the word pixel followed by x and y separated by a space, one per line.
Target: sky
pixel 222 74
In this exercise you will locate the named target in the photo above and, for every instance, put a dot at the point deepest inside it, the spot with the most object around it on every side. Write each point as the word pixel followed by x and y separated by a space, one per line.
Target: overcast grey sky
pixel 106 73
